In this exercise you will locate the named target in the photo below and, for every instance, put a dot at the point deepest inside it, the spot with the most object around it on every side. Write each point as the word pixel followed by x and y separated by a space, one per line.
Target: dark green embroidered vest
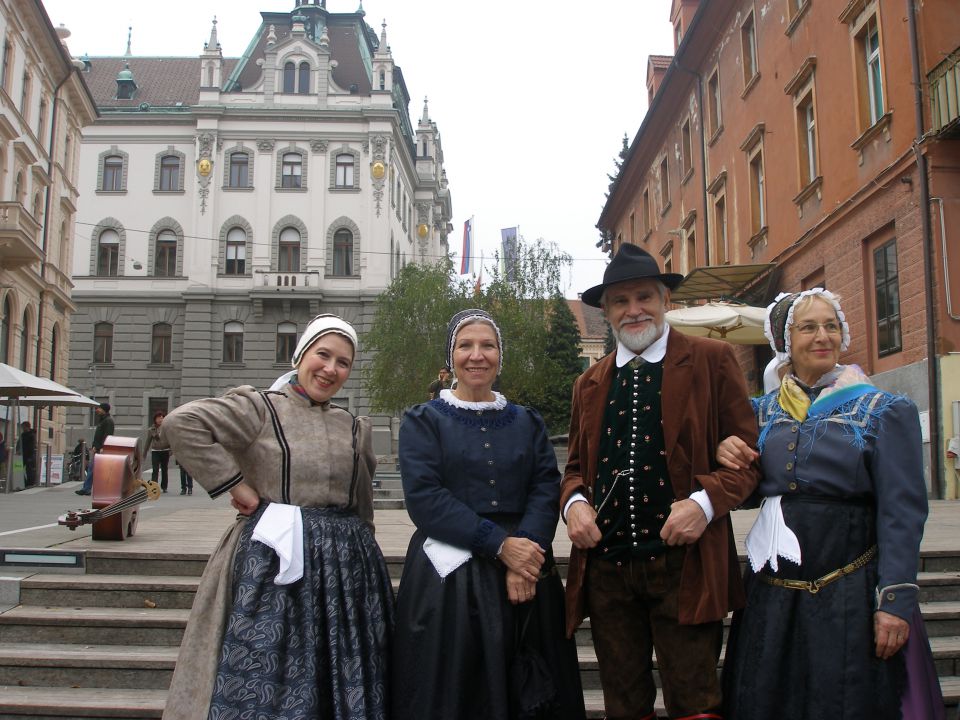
pixel 633 508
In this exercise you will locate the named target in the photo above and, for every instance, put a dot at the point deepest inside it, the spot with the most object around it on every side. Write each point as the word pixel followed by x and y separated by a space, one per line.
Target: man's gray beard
pixel 637 341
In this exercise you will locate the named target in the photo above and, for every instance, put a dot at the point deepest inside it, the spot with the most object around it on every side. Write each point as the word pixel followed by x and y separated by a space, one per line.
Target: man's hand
pixel 244 498
pixel 735 454
pixel 519 589
pixel 685 524
pixel 582 525
pixel 523 556
pixel 890 633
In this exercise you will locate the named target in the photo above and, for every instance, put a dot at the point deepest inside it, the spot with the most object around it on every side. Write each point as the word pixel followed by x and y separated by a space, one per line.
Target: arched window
pixel 289 77
pixel 233 342
pixel 165 258
pixel 170 173
pixel 343 252
pixel 108 253
pixel 103 342
pixel 239 170
pixel 18 189
pixel 112 173
pixel 288 255
pixel 344 170
pixel 25 341
pixel 286 341
pixel 292 170
pixel 37 209
pixel 303 79
pixel 5 332
pixel 161 343
pixel 236 251
pixel 383 80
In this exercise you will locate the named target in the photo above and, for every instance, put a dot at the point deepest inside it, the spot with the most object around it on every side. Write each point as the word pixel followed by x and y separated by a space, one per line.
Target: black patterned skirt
pixel 464 652
pixel 318 647
pixel 793 655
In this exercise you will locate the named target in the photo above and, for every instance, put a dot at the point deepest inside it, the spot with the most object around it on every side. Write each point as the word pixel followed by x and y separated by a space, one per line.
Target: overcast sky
pixel 531 98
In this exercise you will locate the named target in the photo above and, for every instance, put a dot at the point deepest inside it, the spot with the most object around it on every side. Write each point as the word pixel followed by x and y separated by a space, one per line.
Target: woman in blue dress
pixel 480 605
pixel 831 628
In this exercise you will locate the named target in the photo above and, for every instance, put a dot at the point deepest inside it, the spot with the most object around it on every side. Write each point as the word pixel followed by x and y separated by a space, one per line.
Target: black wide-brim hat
pixel 630 263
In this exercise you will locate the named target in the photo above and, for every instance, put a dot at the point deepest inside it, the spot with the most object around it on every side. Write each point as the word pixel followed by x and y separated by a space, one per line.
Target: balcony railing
pixel 286 281
pixel 945 92
pixel 19 233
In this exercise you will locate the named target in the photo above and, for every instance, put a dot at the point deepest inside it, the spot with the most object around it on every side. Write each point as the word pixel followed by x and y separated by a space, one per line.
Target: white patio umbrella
pixel 16 384
pixel 737 324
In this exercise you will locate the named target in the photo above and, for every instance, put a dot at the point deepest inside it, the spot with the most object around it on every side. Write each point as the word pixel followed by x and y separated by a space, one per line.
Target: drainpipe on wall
pixel 933 374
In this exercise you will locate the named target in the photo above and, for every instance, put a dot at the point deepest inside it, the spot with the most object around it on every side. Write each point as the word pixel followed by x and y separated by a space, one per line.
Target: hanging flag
pixel 466 257
pixel 508 242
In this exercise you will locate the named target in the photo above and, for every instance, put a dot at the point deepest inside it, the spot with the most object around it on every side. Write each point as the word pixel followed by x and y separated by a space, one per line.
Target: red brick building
pixel 789 132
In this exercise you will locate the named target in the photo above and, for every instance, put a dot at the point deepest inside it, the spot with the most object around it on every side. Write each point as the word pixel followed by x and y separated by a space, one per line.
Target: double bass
pixel 117 491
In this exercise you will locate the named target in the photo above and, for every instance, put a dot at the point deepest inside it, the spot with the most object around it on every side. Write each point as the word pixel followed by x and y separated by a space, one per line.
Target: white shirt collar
pixel 655 351
pixel 499 402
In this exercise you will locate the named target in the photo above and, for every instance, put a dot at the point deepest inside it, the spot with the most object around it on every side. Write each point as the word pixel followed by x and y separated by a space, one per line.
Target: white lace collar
pixel 499 402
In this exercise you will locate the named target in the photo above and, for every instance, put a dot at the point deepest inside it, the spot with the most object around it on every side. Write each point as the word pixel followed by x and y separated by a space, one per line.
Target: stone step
pixel 387 494
pixel 94 625
pixel 117 591
pixel 89 666
pixel 110 562
pixel 388 504
pixel 55 703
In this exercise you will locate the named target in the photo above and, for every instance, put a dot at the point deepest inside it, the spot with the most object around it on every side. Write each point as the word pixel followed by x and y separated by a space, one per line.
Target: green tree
pixel 563 350
pixel 408 335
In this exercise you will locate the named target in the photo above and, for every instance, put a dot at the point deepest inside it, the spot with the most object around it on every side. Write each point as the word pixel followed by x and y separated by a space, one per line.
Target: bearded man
pixel 646 505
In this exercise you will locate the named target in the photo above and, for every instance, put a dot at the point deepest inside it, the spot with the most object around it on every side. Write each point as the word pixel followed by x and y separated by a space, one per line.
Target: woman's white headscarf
pixel 321 325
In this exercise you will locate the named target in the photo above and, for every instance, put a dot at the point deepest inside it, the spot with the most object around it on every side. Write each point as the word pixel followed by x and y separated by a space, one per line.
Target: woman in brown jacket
pixel 294 614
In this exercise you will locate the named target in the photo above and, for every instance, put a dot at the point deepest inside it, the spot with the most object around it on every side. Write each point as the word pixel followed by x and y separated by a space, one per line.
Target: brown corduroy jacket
pixel 703 399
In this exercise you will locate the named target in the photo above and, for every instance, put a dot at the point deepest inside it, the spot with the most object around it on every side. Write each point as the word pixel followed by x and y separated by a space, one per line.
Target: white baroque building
pixel 227 201
pixel 44 103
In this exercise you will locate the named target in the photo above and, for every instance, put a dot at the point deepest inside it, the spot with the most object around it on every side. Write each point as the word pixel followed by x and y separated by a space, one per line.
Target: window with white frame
pixel 108 253
pixel 291 171
pixel 103 342
pixel 161 343
pixel 344 178
pixel 236 252
pixel 233 342
pixel 165 255
pixel 288 251
pixel 286 342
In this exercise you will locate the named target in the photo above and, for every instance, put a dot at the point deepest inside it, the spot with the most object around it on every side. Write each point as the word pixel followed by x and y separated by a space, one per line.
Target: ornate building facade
pixel 44 104
pixel 227 201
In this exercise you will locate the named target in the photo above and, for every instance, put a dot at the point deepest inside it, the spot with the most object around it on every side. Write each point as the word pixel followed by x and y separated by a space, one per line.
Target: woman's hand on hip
pixel 890 633
pixel 523 556
pixel 519 589
pixel 244 499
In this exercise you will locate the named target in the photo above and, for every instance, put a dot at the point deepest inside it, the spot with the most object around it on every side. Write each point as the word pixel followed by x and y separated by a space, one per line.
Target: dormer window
pixel 296 78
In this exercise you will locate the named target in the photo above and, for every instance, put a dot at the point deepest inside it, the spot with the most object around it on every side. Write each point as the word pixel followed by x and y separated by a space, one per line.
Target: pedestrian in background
pixel 442 382
pixel 103 429
pixel 186 482
pixel 27 443
pixel 159 450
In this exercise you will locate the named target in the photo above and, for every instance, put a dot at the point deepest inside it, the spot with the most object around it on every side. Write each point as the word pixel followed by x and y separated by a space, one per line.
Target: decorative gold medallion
pixel 204 167
pixel 422 230
pixel 378 170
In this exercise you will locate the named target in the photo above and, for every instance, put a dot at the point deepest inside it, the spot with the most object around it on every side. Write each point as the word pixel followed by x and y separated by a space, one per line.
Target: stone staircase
pixel 103 644
pixel 387 491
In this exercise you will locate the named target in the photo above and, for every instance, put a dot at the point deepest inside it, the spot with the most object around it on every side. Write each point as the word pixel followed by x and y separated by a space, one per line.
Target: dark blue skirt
pixel 793 655
pixel 316 648
pixel 464 652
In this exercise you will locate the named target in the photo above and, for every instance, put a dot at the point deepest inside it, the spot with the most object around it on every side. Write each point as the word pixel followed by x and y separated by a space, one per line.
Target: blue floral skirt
pixel 318 647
